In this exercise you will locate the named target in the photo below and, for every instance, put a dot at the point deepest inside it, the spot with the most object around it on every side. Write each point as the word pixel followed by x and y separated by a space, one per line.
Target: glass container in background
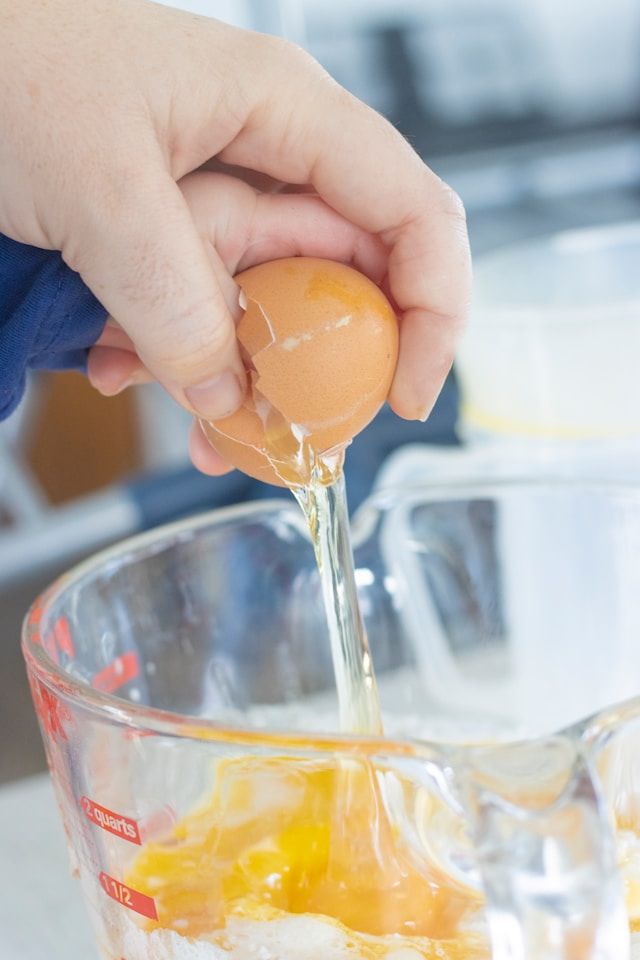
pixel 550 360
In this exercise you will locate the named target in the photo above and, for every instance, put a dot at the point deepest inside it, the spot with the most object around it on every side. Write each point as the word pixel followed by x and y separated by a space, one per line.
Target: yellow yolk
pixel 295 837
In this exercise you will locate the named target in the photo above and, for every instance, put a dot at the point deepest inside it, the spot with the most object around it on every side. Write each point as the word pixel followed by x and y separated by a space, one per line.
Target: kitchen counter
pixel 42 916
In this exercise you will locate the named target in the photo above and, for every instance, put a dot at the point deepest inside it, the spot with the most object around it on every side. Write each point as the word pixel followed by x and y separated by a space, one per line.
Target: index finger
pixel 305 128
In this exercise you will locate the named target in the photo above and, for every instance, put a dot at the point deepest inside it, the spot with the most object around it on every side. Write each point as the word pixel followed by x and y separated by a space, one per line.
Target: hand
pixel 106 104
pixel 239 227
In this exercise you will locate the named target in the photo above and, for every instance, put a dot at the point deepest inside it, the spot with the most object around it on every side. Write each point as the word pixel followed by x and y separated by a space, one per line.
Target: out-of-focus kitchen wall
pixel 529 108
pixel 572 59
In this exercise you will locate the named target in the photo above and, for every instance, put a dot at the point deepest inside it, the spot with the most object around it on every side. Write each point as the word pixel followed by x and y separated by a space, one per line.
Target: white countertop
pixel 41 912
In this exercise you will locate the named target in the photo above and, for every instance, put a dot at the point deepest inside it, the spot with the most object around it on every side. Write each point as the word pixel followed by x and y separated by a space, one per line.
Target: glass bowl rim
pixel 108 707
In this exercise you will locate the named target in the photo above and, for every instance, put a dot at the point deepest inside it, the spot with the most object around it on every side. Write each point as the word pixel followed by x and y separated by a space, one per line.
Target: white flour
pixel 290 938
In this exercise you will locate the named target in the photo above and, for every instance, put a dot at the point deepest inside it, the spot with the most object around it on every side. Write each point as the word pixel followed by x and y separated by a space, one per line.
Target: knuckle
pixel 450 325
pixel 448 361
pixel 293 54
pixel 110 206
pixel 452 204
pixel 122 189
pixel 187 345
pixel 289 60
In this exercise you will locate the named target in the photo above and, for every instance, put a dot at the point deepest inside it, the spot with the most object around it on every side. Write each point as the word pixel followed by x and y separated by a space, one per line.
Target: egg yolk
pixel 282 836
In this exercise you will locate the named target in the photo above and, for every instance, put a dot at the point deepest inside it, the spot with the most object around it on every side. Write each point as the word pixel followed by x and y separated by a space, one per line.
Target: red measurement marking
pixel 36 616
pixel 54 715
pixel 59 639
pixel 110 821
pixel 64 640
pixel 126 897
pixel 137 734
pixel 121 671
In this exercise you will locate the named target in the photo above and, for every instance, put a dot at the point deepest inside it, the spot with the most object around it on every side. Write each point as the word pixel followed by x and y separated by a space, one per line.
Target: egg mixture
pixel 314 838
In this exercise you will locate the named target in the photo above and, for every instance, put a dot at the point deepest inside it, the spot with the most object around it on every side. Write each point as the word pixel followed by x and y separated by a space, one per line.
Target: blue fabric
pixel 48 317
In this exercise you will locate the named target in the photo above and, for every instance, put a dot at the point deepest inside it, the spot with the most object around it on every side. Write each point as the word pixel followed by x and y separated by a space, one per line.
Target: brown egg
pixel 320 341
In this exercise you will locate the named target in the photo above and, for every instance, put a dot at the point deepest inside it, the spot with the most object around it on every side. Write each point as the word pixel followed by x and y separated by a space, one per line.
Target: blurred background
pixel 530 110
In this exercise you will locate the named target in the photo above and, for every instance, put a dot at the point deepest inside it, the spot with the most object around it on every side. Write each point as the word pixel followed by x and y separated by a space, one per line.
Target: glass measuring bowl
pixel 185 692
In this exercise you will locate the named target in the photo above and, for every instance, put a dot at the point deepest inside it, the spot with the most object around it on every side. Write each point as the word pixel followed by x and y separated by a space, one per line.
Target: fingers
pixel 111 370
pixel 301 225
pixel 245 227
pixel 364 169
pixel 142 256
pixel 430 280
pixel 114 336
pixel 240 228
pixel 260 181
pixel 205 457
pixel 425 356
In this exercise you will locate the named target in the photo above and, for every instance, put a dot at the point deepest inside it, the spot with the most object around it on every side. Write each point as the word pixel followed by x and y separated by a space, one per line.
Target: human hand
pixel 106 104
pixel 241 227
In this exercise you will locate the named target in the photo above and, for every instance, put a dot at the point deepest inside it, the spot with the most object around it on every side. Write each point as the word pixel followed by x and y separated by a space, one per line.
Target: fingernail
pixel 140 376
pixel 232 294
pixel 112 387
pixel 423 414
pixel 216 398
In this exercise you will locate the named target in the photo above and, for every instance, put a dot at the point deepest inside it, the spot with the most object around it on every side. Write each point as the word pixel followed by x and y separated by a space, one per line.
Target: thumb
pixel 143 258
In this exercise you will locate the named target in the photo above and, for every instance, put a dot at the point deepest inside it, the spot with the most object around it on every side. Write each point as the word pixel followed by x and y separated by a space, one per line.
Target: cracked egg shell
pixel 321 343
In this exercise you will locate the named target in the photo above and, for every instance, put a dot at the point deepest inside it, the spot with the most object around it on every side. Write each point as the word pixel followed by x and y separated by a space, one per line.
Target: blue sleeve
pixel 48 317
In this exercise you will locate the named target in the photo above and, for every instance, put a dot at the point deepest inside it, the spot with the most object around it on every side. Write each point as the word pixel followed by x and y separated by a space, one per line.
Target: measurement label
pixel 64 638
pixel 110 821
pixel 120 671
pixel 58 640
pixel 126 897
